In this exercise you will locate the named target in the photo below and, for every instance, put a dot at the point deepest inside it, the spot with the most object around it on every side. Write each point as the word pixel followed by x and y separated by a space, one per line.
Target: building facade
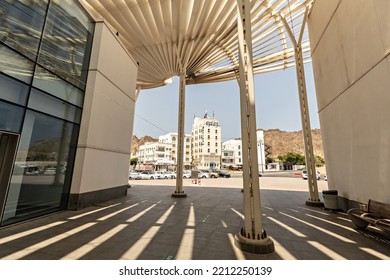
pixel 158 154
pixel 162 155
pixel 45 49
pixel 171 138
pixel 350 45
pixel 206 143
pixel 53 101
pixel 232 153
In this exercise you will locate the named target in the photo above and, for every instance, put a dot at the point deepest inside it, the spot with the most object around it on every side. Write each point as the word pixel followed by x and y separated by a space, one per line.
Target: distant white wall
pixel 103 151
pixel 350 42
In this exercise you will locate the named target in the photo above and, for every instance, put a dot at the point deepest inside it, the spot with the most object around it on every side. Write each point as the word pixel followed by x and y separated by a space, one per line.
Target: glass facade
pixel 44 55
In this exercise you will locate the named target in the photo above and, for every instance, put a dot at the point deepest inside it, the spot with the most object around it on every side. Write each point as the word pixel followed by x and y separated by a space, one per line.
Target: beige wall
pixel 103 151
pixel 350 41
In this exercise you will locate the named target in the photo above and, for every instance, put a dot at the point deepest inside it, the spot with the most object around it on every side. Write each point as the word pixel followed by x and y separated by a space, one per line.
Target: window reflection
pixel 21 24
pixel 12 90
pixel 66 42
pixel 15 65
pixel 41 175
pixel 51 83
pixel 43 102
pixel 10 117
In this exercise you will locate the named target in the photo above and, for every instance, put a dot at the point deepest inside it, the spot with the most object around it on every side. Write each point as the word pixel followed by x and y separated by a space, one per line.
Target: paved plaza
pixel 148 224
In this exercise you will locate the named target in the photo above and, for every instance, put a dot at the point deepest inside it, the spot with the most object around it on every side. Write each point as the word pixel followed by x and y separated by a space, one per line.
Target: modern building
pixel 59 99
pixel 232 152
pixel 206 143
pixel 350 45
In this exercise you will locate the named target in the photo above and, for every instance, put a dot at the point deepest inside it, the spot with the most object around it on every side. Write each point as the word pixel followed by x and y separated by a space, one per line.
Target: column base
pixel 262 246
pixel 179 195
pixel 314 203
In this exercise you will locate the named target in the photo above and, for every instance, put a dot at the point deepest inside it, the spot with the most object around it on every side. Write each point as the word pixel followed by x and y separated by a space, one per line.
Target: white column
pixel 305 117
pixel 252 237
pixel 180 139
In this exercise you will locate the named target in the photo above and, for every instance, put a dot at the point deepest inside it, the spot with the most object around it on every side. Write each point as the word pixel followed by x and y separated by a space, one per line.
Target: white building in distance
pixel 171 138
pixel 206 143
pixel 232 153
pixel 156 153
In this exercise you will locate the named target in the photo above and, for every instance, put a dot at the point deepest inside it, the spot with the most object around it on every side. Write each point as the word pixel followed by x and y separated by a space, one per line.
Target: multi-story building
pixel 156 153
pixel 206 143
pixel 171 138
pixel 163 154
pixel 232 153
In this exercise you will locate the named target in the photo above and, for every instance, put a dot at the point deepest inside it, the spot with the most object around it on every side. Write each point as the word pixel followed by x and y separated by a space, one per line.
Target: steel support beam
pixel 314 199
pixel 252 237
pixel 180 139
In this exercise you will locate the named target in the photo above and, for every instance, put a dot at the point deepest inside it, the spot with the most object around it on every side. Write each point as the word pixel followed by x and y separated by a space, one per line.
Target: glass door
pixel 8 145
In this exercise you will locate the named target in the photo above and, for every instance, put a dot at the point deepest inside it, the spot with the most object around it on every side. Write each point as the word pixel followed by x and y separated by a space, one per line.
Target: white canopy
pixel 200 36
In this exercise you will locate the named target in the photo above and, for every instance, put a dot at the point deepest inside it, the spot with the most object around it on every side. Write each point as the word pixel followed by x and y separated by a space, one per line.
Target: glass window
pixel 41 177
pixel 47 104
pixel 11 117
pixel 67 41
pixel 15 65
pixel 21 24
pixel 51 83
pixel 13 90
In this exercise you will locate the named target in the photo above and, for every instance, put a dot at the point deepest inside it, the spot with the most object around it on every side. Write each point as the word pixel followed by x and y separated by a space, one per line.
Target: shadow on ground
pixel 148 224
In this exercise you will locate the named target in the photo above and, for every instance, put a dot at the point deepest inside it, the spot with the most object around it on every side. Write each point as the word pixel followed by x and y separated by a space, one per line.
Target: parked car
pixel 160 174
pixel 187 174
pixel 31 170
pixel 223 174
pixel 203 174
pixel 304 175
pixel 149 175
pixel 168 175
pixel 213 173
pixel 50 170
pixel 133 175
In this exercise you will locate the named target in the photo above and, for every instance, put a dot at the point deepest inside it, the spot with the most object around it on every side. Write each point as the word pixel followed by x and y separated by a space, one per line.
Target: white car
pixel 304 175
pixel 187 174
pixel 168 175
pixel 51 170
pixel 134 175
pixel 203 174
pixel 149 175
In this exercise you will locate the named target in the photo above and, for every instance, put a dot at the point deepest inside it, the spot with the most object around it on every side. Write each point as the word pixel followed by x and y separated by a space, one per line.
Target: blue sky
pixel 277 105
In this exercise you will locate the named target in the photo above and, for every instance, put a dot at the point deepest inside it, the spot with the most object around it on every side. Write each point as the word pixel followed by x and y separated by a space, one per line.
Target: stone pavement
pixel 148 224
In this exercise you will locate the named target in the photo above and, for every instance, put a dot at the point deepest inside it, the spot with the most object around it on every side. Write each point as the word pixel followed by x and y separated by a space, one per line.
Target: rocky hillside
pixel 280 142
pixel 136 142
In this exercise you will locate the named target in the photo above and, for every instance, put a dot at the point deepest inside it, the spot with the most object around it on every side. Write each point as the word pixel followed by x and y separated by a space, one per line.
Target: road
pixel 275 180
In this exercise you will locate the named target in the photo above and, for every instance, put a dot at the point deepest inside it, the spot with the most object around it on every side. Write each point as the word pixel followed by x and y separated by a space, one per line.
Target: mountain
pixel 136 142
pixel 282 142
pixel 279 142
